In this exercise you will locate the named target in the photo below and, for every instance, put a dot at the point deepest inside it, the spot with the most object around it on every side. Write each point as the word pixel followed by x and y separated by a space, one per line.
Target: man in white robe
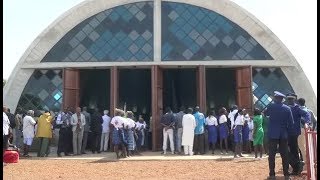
pixel 188 126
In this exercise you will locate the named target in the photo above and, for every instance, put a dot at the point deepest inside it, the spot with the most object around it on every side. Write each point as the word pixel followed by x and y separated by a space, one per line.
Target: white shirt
pixel 231 117
pixel 28 127
pixel 239 120
pixel 130 123
pixel 106 123
pixel 117 122
pixel 223 119
pixel 6 124
pixel 211 121
pixel 140 126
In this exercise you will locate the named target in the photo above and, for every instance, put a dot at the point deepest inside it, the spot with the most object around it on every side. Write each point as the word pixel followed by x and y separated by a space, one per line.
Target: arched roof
pixel 63 24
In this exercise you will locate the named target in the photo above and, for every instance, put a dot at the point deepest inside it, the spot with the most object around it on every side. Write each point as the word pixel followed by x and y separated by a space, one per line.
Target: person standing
pixel 223 129
pixel 258 134
pixel 265 124
pixel 130 126
pixel 12 125
pixel 280 122
pixel 237 132
pixel 63 123
pixel 199 132
pixel 44 133
pixel 179 117
pixel 105 131
pixel 188 126
pixel 96 129
pixel 117 124
pixel 77 121
pixel 300 117
pixel 302 103
pixel 28 131
pixel 85 130
pixel 232 113
pixel 140 127
pixel 6 126
pixel 246 133
pixel 69 137
pixel 212 124
pixel 18 120
pixel 168 121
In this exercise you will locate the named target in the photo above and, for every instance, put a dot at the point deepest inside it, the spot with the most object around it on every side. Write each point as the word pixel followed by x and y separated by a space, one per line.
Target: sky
pixel 294 22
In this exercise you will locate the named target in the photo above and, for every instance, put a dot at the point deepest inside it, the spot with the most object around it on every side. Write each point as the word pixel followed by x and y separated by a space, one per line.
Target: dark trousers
pixel 283 149
pixel 293 155
pixel 96 140
pixel 63 142
pixel 198 145
pixel 69 136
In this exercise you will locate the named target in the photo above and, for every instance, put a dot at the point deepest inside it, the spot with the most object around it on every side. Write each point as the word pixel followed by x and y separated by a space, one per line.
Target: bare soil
pixel 51 169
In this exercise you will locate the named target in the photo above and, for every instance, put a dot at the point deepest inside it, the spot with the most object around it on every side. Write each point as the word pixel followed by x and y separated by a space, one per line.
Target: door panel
pixel 114 89
pixel 157 106
pixel 244 88
pixel 201 88
pixel 71 86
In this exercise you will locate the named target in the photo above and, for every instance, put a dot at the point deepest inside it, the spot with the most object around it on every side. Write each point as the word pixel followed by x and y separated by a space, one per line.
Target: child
pixel 251 127
pixel 245 133
pixel 212 124
pixel 223 128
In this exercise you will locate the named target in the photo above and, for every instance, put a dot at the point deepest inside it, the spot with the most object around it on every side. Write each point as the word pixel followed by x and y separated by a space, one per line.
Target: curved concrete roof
pixel 56 30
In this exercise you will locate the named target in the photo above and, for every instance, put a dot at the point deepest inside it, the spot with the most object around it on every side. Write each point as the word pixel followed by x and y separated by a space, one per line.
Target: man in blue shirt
pixel 199 132
pixel 300 117
pixel 280 122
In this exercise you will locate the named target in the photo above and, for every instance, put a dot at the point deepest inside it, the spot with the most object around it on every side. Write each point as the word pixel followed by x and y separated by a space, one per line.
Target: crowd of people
pixel 234 130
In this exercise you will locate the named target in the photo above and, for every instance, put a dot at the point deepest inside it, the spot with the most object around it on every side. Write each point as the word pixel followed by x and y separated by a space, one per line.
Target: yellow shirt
pixel 44 126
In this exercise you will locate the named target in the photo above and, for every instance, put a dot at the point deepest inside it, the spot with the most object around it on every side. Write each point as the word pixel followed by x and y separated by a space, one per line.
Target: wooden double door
pixel 71 91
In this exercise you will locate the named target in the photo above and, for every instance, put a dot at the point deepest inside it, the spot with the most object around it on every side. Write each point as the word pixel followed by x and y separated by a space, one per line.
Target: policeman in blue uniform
pixel 280 122
pixel 300 117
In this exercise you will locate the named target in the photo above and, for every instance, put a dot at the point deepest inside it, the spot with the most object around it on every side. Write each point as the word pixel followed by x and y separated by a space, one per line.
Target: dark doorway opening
pixel 179 88
pixel 95 89
pixel 221 88
pixel 135 91
pixel 135 94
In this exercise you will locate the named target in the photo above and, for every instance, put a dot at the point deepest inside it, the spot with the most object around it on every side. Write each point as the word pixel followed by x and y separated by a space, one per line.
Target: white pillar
pixel 157 30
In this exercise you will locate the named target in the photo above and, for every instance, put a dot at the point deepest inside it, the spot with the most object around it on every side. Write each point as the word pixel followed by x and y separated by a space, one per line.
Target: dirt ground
pixel 105 169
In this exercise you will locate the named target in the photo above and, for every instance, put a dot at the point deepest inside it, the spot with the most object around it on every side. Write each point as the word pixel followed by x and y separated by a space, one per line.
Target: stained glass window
pixel 123 33
pixel 194 33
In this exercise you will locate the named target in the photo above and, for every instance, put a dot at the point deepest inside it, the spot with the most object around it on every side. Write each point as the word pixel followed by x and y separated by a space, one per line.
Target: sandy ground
pixel 106 168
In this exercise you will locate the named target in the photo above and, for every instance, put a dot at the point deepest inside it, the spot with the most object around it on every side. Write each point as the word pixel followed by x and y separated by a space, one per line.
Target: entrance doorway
pixel 135 91
pixel 220 88
pixel 95 89
pixel 179 88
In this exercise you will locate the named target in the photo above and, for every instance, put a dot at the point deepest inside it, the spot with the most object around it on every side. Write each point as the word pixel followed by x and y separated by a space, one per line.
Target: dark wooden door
pixel 201 88
pixel 244 88
pixel 71 86
pixel 157 106
pixel 114 89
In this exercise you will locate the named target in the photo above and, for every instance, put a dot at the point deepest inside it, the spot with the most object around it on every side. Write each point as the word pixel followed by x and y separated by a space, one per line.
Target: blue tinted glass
pixel 263 83
pixel 49 96
pixel 108 35
pixel 220 38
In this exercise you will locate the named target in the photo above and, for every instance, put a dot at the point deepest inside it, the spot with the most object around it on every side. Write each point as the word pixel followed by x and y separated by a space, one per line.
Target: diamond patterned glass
pixel 43 91
pixel 265 82
pixel 193 33
pixel 123 33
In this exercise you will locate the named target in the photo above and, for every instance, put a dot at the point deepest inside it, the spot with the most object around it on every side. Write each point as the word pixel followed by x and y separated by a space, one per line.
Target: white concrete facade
pixel 32 57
